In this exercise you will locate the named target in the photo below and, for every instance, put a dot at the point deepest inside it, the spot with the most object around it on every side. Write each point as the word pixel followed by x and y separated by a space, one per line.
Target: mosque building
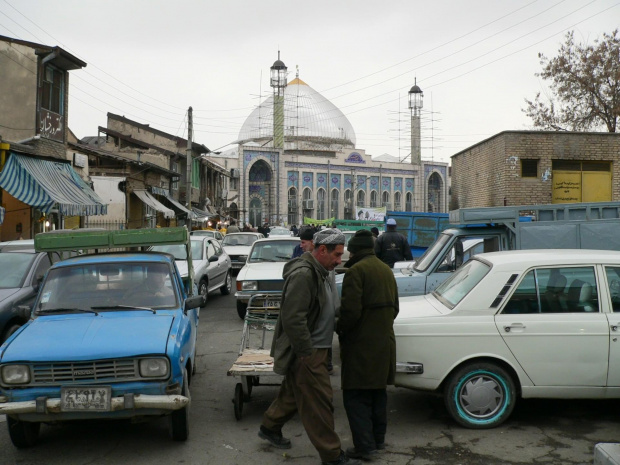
pixel 296 157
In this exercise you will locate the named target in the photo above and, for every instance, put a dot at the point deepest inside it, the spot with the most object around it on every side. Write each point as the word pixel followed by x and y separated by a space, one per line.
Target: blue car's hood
pixel 89 337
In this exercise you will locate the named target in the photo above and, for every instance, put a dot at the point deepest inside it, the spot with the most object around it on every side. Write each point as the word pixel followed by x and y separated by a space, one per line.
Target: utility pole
pixel 188 155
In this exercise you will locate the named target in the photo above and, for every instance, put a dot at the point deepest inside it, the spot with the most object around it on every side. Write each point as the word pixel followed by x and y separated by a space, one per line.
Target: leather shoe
pixel 354 453
pixel 343 460
pixel 275 438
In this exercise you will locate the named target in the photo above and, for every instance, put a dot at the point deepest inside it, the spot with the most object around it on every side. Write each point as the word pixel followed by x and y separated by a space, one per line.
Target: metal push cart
pixel 254 360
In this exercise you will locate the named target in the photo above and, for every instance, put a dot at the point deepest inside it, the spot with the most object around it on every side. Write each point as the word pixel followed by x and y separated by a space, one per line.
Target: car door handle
pixel 615 327
pixel 512 326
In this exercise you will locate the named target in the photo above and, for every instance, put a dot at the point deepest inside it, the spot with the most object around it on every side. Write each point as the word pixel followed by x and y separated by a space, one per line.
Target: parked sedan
pixel 208 233
pixel 528 323
pixel 263 271
pixel 21 273
pixel 212 266
pixel 238 245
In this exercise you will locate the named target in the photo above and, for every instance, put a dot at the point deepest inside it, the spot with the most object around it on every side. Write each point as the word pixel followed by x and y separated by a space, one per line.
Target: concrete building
pixel 297 158
pixel 537 167
pixel 43 184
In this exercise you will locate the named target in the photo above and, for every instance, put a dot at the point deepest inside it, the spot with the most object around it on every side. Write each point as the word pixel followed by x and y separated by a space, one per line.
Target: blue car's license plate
pixel 85 398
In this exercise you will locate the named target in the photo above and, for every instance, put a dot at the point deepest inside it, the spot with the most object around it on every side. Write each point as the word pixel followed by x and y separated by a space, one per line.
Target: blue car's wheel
pixel 480 395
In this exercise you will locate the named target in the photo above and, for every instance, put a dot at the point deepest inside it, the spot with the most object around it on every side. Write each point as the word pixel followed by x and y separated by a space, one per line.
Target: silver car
pixel 212 266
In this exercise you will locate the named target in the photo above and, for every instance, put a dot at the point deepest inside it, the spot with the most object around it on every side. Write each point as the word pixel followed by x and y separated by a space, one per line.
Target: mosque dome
pixel 310 121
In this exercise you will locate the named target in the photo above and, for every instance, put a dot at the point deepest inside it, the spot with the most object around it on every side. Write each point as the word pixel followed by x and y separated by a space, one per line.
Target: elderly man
pixel 367 344
pixel 305 243
pixel 302 337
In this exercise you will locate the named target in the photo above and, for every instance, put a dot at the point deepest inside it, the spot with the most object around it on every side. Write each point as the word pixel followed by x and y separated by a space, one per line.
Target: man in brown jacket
pixel 302 337
pixel 367 344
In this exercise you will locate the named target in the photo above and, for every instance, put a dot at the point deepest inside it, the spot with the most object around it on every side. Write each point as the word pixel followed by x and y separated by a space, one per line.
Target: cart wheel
pixel 238 401
pixel 249 383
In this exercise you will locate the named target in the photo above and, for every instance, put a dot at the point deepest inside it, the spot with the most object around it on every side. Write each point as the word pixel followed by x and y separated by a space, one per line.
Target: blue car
pixel 110 336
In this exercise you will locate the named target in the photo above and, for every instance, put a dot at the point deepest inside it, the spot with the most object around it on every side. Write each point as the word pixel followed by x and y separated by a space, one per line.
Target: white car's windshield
pixel 104 286
pixel 452 290
pixel 232 240
pixel 272 251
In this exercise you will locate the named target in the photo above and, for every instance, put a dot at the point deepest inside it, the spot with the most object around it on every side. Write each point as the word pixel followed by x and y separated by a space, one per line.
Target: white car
pixel 262 273
pixel 238 245
pixel 212 267
pixel 279 231
pixel 528 323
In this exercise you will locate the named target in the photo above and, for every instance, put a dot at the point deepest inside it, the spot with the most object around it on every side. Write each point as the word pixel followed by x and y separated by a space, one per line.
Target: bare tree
pixel 585 83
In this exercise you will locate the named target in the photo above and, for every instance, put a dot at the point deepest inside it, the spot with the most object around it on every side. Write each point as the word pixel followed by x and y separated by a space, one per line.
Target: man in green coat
pixel 367 344
pixel 302 338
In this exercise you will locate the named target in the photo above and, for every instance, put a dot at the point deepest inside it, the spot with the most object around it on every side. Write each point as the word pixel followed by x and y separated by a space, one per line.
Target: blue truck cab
pixel 110 336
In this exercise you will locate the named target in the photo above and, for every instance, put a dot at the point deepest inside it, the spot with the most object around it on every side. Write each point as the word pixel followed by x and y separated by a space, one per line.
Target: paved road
pixel 419 431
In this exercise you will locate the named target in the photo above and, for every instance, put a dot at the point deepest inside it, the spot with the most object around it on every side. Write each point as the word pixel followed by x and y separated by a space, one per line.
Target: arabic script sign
pixel 51 125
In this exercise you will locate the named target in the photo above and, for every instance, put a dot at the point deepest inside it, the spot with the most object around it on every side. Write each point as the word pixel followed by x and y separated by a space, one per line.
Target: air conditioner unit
pixel 234 173
pixel 388 206
pixel 347 209
pixel 292 204
pixel 347 204
pixel 397 207
pixel 308 204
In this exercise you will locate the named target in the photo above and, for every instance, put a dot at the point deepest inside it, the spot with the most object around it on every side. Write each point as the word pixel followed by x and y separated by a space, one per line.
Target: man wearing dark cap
pixel 375 231
pixel 305 243
pixel 367 344
pixel 302 337
pixel 391 246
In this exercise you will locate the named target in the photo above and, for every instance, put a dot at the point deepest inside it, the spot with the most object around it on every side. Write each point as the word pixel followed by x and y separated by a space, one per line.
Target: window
pixel 320 200
pixel 361 199
pixel 385 199
pixel 373 199
pixel 555 290
pixel 334 204
pixel 529 168
pixel 174 166
pixel 397 197
pixel 196 173
pixel 52 97
pixel 613 280
pixel 409 202
pixel 457 286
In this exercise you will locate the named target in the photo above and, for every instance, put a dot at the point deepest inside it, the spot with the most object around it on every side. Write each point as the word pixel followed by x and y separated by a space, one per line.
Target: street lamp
pixel 416 97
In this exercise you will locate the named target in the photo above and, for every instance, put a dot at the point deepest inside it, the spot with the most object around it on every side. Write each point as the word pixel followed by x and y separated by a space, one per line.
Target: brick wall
pixel 488 174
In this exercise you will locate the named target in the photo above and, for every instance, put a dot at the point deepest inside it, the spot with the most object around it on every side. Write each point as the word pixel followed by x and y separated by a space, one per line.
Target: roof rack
pixel 87 239
pixel 96 239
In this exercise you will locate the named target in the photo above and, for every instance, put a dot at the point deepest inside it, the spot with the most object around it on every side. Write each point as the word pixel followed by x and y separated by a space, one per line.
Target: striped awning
pixel 44 184
pixel 152 202
pixel 190 214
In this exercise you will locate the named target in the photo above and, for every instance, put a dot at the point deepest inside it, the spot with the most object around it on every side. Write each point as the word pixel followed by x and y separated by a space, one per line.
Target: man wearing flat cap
pixel 302 337
pixel 365 328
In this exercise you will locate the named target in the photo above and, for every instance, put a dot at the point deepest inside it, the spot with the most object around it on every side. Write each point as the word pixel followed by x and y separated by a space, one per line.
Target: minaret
pixel 416 97
pixel 278 82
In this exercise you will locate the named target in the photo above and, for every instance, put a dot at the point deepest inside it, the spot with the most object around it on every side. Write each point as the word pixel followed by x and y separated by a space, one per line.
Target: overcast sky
pixel 150 60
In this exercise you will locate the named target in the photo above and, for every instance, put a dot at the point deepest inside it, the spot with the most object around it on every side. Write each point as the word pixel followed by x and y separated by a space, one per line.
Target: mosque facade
pixel 311 168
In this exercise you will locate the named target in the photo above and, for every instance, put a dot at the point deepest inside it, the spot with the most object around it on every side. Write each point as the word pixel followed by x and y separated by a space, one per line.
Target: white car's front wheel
pixel 480 395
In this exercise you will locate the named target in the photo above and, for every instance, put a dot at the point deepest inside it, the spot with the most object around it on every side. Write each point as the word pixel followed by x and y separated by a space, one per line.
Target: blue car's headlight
pixel 153 367
pixel 15 374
